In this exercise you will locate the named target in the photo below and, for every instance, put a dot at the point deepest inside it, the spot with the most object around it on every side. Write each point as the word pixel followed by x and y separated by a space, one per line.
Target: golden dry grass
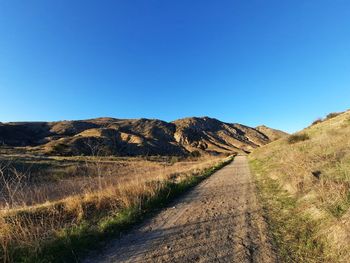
pixel 98 173
pixel 34 213
pixel 316 172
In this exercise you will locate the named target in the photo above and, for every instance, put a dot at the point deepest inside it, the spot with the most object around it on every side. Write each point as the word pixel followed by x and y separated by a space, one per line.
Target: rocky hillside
pixel 211 135
pixel 131 137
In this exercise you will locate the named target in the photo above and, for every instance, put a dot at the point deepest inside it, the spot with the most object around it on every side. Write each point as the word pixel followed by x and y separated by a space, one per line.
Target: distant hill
pixel 273 134
pixel 132 137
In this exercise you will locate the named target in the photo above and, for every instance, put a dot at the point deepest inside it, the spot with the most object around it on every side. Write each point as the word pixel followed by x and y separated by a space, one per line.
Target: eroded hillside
pixel 132 137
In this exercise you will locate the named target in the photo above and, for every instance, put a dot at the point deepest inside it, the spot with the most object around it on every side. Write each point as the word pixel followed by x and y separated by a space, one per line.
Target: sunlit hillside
pixel 305 182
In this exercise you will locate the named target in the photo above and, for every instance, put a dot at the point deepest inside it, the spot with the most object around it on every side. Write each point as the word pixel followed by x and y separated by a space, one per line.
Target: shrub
pixel 298 138
pixel 60 149
pixel 195 154
pixel 174 159
pixel 332 115
pixel 319 120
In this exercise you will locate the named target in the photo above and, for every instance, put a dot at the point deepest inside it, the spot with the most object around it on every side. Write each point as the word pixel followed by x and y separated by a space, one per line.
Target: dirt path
pixel 218 221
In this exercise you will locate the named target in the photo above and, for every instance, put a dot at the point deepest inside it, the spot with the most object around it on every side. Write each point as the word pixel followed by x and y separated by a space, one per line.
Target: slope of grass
pixel 294 234
pixel 80 224
pixel 304 180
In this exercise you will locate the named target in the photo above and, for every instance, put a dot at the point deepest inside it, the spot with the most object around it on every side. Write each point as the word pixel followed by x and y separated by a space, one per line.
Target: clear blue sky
pixel 279 63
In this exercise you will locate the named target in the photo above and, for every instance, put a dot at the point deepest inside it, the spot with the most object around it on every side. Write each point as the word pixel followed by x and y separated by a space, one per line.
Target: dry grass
pixel 295 138
pixel 316 172
pixel 85 177
pixel 33 213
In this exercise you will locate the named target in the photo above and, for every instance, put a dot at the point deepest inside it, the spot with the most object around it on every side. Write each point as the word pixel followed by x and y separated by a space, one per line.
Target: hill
pixel 305 181
pixel 132 137
pixel 272 134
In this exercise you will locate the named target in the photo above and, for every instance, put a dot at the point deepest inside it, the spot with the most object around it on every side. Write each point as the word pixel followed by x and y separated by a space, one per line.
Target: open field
pixel 35 180
pixel 304 180
pixel 48 203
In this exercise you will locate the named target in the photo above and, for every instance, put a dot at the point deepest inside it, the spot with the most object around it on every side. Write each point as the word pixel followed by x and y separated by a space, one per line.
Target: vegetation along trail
pixel 220 220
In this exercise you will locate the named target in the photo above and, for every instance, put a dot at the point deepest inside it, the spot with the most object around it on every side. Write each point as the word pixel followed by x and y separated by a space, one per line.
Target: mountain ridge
pixel 132 137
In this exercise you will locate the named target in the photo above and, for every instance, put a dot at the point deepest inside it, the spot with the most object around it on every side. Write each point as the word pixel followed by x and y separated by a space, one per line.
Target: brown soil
pixel 220 220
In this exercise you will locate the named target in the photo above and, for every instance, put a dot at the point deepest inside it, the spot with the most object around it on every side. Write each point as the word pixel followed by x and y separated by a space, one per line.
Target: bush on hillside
pixel 60 149
pixel 319 120
pixel 195 154
pixel 332 115
pixel 298 138
pixel 328 117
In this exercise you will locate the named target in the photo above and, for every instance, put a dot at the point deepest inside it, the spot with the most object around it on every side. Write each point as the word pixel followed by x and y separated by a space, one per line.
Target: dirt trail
pixel 218 221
